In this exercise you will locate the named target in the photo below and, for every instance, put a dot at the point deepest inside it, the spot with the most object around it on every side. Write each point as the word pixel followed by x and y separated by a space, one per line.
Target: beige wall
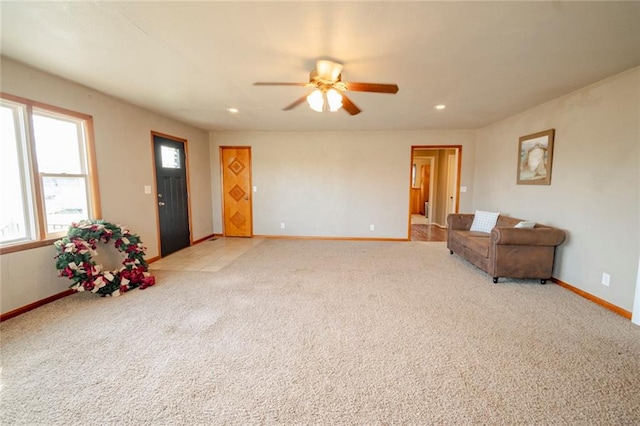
pixel 123 152
pixel 334 183
pixel 595 187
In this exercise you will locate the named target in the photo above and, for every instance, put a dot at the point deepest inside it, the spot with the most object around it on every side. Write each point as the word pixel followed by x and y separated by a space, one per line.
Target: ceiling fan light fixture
pixel 334 100
pixel 328 88
pixel 322 100
pixel 316 100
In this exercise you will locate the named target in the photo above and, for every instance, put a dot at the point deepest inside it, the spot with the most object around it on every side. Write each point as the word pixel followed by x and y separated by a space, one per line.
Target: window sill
pixel 28 246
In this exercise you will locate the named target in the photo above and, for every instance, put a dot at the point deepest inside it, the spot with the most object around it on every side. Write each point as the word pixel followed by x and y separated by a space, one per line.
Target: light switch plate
pixel 147 189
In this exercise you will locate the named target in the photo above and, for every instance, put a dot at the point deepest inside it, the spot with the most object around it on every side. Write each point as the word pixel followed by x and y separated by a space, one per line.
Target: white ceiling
pixel 193 60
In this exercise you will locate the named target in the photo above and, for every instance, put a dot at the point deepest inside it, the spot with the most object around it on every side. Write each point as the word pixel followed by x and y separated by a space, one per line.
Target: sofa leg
pixel 450 251
pixel 495 280
pixel 543 281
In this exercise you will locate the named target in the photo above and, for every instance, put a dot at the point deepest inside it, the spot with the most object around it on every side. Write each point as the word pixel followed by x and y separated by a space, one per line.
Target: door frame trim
pixel 222 197
pixel 155 184
pixel 458 149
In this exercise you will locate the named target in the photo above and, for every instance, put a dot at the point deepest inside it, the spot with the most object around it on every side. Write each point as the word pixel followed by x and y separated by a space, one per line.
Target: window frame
pixel 41 236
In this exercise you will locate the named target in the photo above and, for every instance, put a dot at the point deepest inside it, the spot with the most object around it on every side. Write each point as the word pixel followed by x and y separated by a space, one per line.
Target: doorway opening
pixel 434 190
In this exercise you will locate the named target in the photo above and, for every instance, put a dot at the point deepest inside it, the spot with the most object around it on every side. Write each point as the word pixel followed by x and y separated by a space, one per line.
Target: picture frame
pixel 535 158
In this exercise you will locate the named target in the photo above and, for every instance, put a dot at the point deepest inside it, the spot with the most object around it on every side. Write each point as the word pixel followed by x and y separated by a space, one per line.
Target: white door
pixel 432 195
pixel 452 177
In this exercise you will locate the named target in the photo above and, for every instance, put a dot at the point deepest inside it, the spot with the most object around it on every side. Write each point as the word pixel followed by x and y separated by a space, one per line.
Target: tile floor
pixel 210 256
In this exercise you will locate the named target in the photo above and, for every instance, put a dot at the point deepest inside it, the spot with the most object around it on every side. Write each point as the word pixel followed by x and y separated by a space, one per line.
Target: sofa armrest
pixel 461 221
pixel 546 236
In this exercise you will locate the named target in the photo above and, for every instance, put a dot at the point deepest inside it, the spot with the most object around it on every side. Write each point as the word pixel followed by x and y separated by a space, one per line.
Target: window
pixel 170 157
pixel 48 174
pixel 413 176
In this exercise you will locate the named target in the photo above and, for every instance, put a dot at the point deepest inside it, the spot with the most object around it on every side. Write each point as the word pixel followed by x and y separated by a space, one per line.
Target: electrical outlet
pixel 372 228
pixel 606 278
pixel 147 189
pixel 281 225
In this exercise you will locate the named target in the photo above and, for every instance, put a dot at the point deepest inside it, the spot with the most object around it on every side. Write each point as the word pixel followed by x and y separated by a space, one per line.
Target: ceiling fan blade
pixel 349 106
pixel 295 104
pixel 372 87
pixel 263 83
pixel 328 70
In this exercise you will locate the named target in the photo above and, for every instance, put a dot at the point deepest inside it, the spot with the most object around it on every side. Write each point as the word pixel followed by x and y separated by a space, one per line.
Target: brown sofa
pixel 506 251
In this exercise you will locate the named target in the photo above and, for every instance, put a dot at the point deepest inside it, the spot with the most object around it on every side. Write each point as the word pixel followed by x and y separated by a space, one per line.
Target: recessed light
pixel 440 106
pixel 233 110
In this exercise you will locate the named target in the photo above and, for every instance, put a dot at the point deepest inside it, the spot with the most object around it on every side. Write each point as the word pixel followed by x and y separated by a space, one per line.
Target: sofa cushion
pixel 458 237
pixel 463 235
pixel 484 221
pixel 507 222
pixel 479 245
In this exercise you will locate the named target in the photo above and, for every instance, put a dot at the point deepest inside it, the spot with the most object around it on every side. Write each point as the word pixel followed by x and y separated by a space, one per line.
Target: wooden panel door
pixel 236 190
pixel 424 186
pixel 415 200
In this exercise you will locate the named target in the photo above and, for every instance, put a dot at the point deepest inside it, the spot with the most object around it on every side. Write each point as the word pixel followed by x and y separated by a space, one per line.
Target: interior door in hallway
pixel 236 189
pixel 424 188
pixel 452 183
pixel 171 190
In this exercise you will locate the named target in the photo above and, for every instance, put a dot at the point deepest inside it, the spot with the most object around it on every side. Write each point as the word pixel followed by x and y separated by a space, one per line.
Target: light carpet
pixel 324 332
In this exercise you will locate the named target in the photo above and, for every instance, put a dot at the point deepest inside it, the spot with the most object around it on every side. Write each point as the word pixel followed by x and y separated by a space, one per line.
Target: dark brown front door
pixel 236 186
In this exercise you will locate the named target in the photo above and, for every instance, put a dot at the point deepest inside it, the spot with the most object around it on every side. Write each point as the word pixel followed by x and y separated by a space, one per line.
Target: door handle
pixel 160 203
pixel 246 198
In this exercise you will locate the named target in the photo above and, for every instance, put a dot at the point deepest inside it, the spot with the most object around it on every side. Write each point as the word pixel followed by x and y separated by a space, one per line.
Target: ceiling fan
pixel 328 93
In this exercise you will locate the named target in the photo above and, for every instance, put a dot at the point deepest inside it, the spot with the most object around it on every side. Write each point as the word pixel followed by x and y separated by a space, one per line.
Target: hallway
pixel 421 230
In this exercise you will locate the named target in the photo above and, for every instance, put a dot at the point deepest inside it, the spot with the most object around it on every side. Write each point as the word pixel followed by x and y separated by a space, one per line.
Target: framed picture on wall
pixel 535 156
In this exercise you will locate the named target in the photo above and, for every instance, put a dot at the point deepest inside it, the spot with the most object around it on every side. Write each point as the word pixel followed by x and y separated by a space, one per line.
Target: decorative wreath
pixel 75 252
